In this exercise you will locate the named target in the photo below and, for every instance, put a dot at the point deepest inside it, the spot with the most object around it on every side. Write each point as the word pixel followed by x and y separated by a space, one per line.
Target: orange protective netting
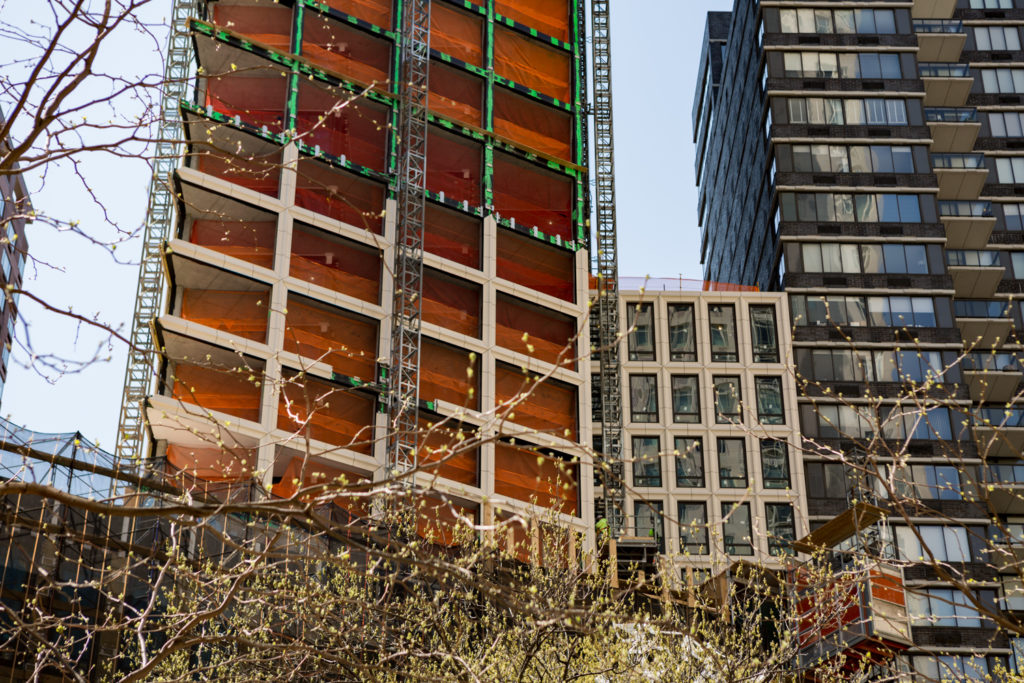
pixel 452 235
pixel 454 167
pixel 374 11
pixel 213 464
pixel 455 94
pixel 346 342
pixel 555 546
pixel 532 124
pixel 547 333
pixel 526 475
pixel 451 303
pixel 533 196
pixel 341 125
pixel 346 51
pixel 339 195
pixel 260 173
pixel 340 265
pixel 227 391
pixel 551 407
pixel 457 33
pixel 256 100
pixel 439 521
pixel 547 16
pixel 251 241
pixel 270 24
pixel 444 375
pixel 513 536
pixel 536 265
pixel 313 473
pixel 335 415
pixel 530 63
pixel 437 445
pixel 241 313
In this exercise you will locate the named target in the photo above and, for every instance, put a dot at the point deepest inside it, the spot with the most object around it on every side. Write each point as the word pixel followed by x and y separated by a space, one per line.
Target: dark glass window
pixel 764 334
pixel 774 464
pixel 736 534
pixel 650 521
pixel 826 480
pixel 685 399
pixel 727 400
pixel 682 338
pixel 595 397
pixel 769 400
pixel 781 528
pixel 689 454
pixel 643 398
pixel 732 463
pixel 693 528
pixel 640 343
pixel 722 328
pixel 646 461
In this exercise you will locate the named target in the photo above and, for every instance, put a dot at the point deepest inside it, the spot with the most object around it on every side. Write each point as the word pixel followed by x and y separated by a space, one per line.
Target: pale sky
pixel 656 45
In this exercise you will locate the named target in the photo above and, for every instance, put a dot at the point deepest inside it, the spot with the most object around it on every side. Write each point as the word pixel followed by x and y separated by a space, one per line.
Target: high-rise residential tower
pixel 14 216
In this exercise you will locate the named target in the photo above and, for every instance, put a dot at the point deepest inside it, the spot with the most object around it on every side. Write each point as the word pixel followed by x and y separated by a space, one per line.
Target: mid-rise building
pixel 14 216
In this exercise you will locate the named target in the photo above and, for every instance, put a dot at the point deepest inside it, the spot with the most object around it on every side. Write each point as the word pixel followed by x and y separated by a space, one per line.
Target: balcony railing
pixel 967 308
pixel 972 258
pixel 950 114
pixel 943 70
pixel 971 161
pixel 992 362
pixel 965 209
pixel 938 26
pixel 1000 417
pixel 1003 474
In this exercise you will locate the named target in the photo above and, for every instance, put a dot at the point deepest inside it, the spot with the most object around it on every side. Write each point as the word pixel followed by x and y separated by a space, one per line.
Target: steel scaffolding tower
pixel 606 258
pixel 403 377
pixel 159 216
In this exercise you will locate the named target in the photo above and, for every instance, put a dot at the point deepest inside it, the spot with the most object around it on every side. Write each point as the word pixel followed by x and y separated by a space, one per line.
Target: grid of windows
pixel 836 111
pixel 834 207
pixel 841 65
pixel 846 158
pixel 910 259
pixel 881 21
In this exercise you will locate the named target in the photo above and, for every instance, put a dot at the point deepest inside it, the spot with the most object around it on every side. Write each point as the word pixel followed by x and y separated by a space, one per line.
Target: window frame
pixel 695 455
pixel 721 448
pixel 652 413
pixel 729 353
pixel 634 311
pixel 728 418
pixel 763 417
pixel 696 528
pixel 779 545
pixel 658 507
pixel 693 416
pixel 784 480
pixel 686 355
pixel 644 464
pixel 764 353
pixel 729 512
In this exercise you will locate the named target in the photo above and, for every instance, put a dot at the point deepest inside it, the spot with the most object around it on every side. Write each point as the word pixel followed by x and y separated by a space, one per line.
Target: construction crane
pixel 605 257
pixel 149 296
pixel 403 373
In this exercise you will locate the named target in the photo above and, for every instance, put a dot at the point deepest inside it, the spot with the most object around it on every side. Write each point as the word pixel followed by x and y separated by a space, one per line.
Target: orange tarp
pixel 529 262
pixel 251 241
pixel 438 521
pixel 225 391
pixel 554 546
pixel 346 51
pixel 533 196
pixel 270 24
pixel 213 464
pixel 374 11
pixel 256 100
pixel 514 537
pixel 241 313
pixel 454 167
pixel 439 443
pixel 457 33
pixel 261 174
pixel 335 415
pixel 547 16
pixel 455 94
pixel 530 63
pixel 526 475
pixel 340 265
pixel 547 332
pixel 346 342
pixel 551 408
pixel 339 195
pixel 313 473
pixel 342 126
pixel 452 235
pixel 532 124
pixel 451 303
pixel 443 374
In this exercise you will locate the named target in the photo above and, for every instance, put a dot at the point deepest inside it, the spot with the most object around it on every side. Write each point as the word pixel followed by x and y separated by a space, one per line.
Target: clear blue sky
pixel 656 45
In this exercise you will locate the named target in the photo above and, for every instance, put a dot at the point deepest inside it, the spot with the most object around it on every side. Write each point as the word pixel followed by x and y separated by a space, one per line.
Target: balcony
pixel 961 176
pixel 976 274
pixel 999 432
pixel 933 9
pixel 939 40
pixel 1005 484
pixel 992 377
pixel 945 85
pixel 983 324
pixel 954 129
pixel 968 224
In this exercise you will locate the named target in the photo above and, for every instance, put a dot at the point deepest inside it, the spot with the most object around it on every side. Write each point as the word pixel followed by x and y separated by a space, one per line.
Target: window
pixel 727 400
pixel 685 399
pixel 855 311
pixel 768 391
pixel 682 340
pixel 832 257
pixel 6 264
pixel 646 461
pixel 852 159
pixel 1014 216
pixel 996 38
pixel 1002 81
pixel 1010 170
pixel 944 607
pixel 953 667
pixel 736 529
pixel 640 343
pixel 649 521
pixel 732 463
pixel 826 480
pixel 689 454
pixel 722 328
pixel 841 65
pixel 991 4
pixel 693 528
pixel 838 21
pixel 774 464
pixel 764 335
pixel 945 543
pixel 781 528
pixel 643 398
pixel 1009 124
pixel 929 482
pixel 848 111
pixel 827 207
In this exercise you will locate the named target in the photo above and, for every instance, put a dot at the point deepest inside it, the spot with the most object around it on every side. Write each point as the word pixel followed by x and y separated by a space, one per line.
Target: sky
pixel 655 51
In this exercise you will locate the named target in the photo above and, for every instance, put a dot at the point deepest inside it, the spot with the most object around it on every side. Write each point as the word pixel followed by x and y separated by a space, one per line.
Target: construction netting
pixel 343 124
pixel 456 94
pixel 376 12
pixel 317 478
pixel 442 444
pixel 452 235
pixel 451 303
pixel 236 312
pixel 268 22
pixel 522 473
pixel 443 522
pixel 551 407
pixel 547 16
pixel 345 341
pixel 233 391
pixel 332 414
pixel 212 464
pixel 457 33
pixel 252 241
pixel 533 541
pixel 338 264
pixel 535 331
pixel 529 123
pixel 448 374
pixel 255 97
pixel 532 64
pixel 261 173
pixel 352 54
pixel 340 195
pixel 531 263
pixel 534 197
pixel 454 166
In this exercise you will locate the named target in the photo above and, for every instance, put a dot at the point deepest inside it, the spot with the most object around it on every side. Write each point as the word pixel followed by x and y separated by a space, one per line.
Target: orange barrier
pixel 526 475
pixel 261 174
pixel 533 196
pixel 547 16
pixel 335 415
pixel 312 473
pixel 251 241
pixel 530 63
pixel 213 464
pixel 241 313
pixel 443 374
pixel 452 235
pixel 225 391
pixel 532 124
pixel 351 53
pixel 551 408
pixel 342 196
pixel 346 342
pixel 438 521
pixel 374 11
pixel 256 100
pixel 548 333
pixel 457 33
pixel 266 24
pixel 536 265
pixel 340 125
pixel 455 94
pixel 454 166
pixel 451 303
pixel 436 445
pixel 341 265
